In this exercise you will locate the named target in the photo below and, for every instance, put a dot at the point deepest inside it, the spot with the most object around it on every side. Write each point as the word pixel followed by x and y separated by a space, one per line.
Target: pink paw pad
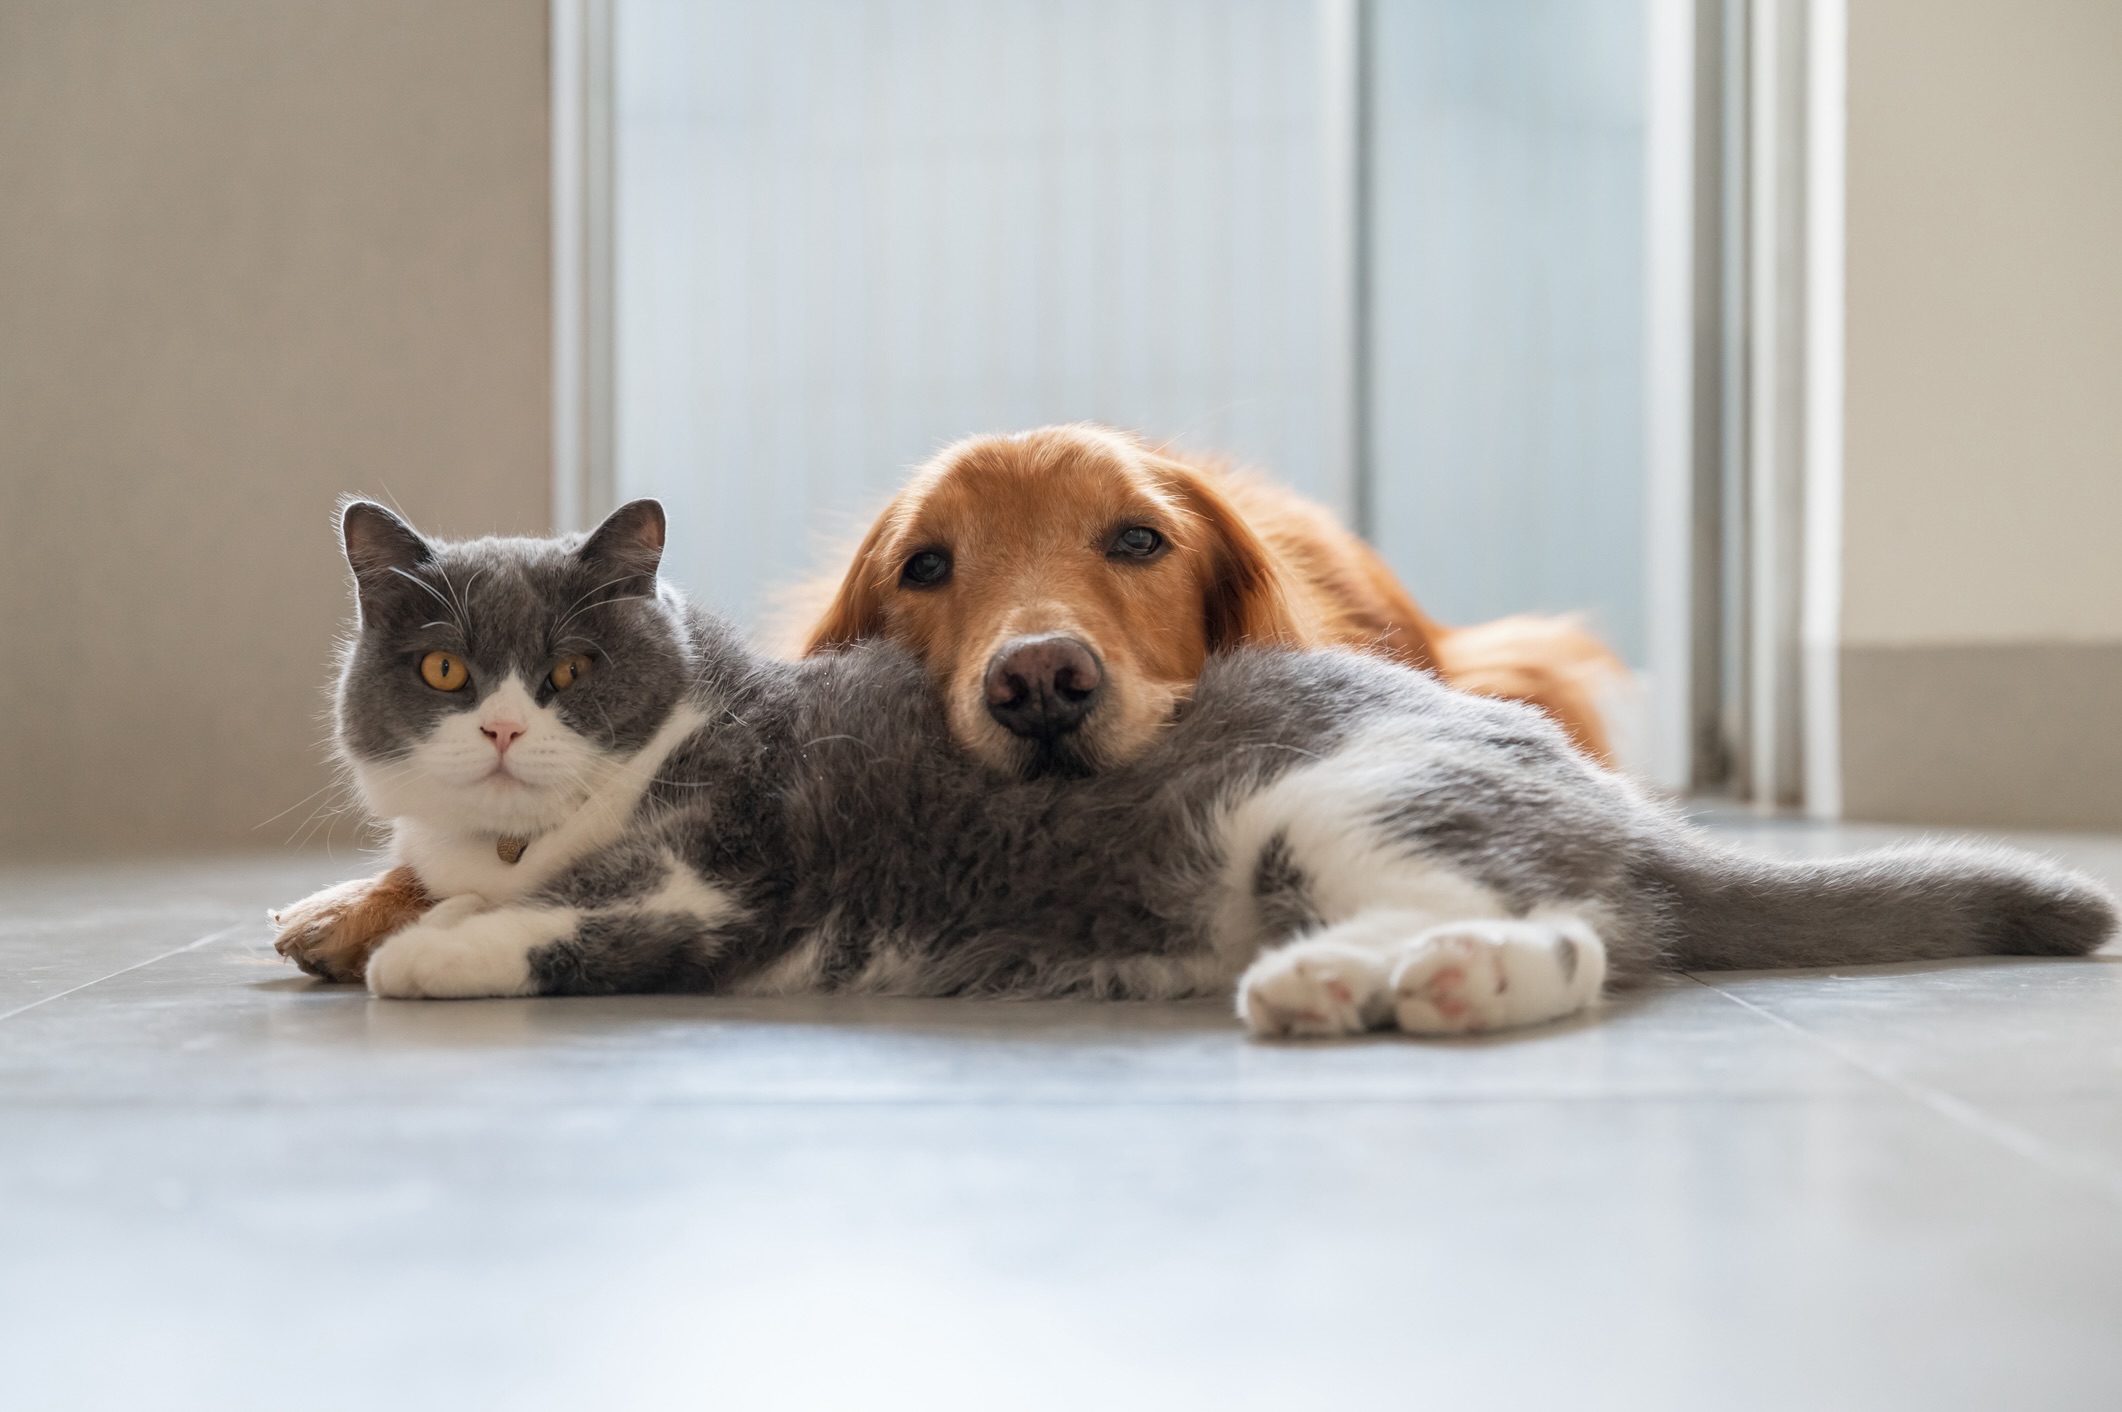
pixel 1449 988
pixel 1443 991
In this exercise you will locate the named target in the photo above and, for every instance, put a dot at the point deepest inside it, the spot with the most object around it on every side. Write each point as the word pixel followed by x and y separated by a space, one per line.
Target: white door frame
pixel 1766 328
pixel 585 385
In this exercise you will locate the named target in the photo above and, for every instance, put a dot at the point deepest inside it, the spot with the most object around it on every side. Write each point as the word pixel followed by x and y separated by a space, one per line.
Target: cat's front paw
pixel 1314 990
pixel 1467 977
pixel 484 954
pixel 331 934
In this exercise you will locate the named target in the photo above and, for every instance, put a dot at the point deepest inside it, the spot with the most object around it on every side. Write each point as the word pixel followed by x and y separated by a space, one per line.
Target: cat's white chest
pixel 452 863
pixel 454 866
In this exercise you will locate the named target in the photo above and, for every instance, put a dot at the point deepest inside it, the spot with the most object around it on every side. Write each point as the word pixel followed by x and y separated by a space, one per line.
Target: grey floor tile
pixel 1649 1253
pixel 65 927
pixel 1978 1039
pixel 1999 1025
pixel 191 1028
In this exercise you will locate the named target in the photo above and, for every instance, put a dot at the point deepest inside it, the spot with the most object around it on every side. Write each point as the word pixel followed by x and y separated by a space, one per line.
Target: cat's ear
pixel 378 545
pixel 628 546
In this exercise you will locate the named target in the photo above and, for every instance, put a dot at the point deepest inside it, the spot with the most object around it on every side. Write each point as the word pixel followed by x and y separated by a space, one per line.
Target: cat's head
pixel 491 684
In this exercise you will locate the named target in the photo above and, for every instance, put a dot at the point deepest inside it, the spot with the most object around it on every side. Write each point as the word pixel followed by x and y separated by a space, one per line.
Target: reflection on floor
pixel 222 1186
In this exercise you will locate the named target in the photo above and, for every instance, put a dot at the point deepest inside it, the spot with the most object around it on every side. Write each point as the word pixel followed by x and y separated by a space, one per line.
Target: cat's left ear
pixel 628 546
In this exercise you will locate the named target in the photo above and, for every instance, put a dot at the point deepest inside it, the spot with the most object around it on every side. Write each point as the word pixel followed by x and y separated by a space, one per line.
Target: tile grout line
pixel 123 970
pixel 1954 1110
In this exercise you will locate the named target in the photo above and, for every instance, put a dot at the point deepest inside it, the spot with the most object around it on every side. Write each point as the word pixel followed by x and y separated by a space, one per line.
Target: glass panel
pixel 849 232
pixel 1507 285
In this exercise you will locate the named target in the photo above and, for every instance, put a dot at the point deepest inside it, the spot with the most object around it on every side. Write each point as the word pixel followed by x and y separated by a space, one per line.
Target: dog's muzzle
pixel 1043 687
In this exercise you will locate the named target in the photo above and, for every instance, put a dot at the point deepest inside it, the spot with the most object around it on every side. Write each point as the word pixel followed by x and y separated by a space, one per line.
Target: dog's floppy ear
pixel 1246 598
pixel 857 607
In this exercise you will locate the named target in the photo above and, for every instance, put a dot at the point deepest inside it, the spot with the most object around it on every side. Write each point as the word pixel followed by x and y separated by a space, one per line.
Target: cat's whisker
pixel 608 725
pixel 590 645
pixel 464 612
pixel 431 591
pixel 321 789
pixel 590 601
pixel 569 615
pixel 324 815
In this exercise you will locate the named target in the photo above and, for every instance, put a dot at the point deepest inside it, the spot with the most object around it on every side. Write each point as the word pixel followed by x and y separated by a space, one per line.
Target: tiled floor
pixel 224 1187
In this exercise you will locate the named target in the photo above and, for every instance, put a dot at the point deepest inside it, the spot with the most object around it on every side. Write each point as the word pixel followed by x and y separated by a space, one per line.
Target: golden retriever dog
pixel 1065 586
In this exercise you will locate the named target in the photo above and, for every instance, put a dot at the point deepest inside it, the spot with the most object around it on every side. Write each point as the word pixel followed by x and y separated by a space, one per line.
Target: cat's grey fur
pixel 842 841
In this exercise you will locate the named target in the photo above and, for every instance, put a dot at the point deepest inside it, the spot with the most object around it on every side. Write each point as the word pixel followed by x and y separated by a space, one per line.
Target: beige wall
pixel 252 255
pixel 1984 457
pixel 1982 671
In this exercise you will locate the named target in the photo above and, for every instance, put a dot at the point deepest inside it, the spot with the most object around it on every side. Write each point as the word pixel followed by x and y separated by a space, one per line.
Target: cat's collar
pixel 509 847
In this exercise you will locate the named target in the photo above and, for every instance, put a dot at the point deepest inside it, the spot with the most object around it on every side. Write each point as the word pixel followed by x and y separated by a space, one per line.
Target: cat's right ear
pixel 378 547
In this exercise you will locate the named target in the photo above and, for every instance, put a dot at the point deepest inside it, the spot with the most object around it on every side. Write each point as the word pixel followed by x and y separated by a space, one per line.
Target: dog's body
pixel 1353 844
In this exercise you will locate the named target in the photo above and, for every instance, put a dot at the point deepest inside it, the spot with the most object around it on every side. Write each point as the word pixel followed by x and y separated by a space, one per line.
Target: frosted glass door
pixel 849 231
pixel 1507 298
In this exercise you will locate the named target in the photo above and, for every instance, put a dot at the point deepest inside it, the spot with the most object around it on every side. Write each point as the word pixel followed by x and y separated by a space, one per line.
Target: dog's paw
pixel 331 934
pixel 1466 977
pixel 465 957
pixel 1315 989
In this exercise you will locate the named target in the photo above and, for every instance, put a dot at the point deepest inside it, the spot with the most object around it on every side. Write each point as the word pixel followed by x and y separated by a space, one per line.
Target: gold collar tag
pixel 510 849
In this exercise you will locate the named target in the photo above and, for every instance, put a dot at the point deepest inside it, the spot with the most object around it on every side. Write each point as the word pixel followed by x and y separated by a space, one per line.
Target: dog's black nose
pixel 1041 687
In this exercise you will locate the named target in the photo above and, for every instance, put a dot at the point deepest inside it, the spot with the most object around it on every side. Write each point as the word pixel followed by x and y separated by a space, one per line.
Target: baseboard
pixel 2026 736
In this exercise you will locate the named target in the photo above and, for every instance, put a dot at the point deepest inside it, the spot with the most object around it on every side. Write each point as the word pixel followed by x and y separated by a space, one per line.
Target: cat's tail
pixel 1924 902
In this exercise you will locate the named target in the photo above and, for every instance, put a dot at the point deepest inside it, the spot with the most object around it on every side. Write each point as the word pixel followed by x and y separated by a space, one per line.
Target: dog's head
pixel 1064 587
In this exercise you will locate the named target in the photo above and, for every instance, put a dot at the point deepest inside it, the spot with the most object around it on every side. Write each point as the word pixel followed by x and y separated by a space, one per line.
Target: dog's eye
pixel 1136 542
pixel 926 569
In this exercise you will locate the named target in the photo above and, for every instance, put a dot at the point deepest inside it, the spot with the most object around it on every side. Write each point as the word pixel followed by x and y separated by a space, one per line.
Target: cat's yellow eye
pixel 443 672
pixel 573 670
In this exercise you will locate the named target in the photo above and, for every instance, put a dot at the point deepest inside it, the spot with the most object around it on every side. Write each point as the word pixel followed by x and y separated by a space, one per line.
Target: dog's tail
pixel 1925 902
pixel 1551 662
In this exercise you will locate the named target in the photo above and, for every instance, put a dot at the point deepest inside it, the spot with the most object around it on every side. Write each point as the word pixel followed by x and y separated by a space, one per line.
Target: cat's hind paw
pixel 1467 977
pixel 484 954
pixel 1314 990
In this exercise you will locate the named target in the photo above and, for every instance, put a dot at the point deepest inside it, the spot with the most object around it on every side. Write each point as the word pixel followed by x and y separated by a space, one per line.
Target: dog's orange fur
pixel 331 933
pixel 1027 521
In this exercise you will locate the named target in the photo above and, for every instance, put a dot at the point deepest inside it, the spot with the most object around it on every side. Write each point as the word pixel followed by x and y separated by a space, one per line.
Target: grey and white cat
pixel 610 792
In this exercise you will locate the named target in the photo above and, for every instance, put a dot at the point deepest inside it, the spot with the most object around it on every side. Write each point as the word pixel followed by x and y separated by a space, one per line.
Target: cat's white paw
pixel 1466 977
pixel 485 954
pixel 1314 989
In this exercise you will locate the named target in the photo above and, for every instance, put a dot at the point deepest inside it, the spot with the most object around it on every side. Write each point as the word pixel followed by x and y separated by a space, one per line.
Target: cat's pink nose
pixel 502 733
